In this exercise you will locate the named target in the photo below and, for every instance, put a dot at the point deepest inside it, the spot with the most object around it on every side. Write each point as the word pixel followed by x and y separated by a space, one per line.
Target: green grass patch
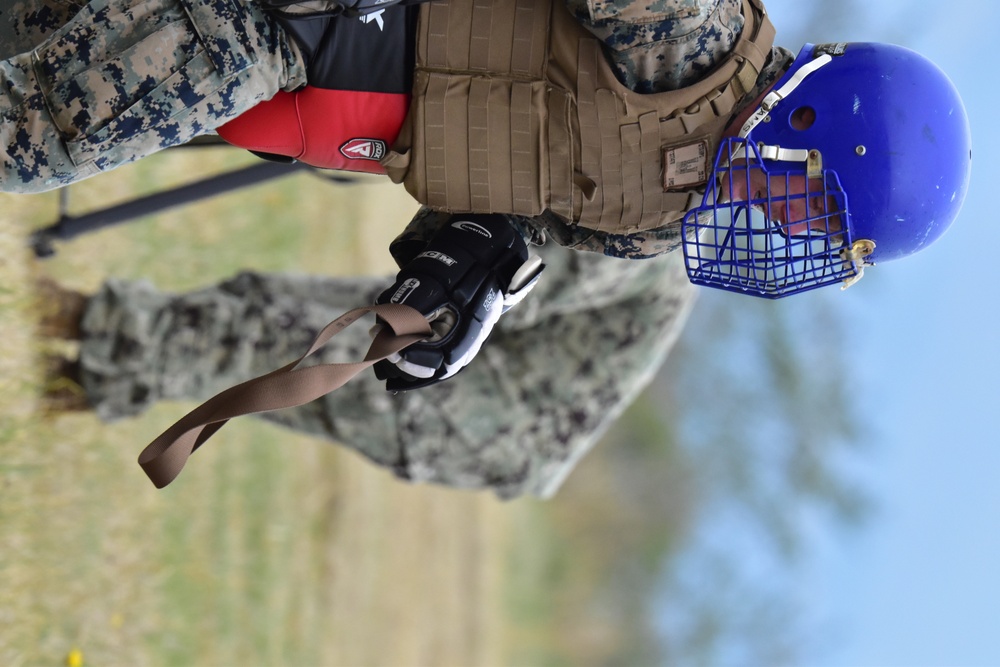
pixel 272 548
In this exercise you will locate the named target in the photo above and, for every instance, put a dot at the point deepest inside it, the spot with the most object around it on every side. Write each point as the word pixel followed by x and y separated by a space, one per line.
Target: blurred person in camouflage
pixel 557 372
pixel 513 125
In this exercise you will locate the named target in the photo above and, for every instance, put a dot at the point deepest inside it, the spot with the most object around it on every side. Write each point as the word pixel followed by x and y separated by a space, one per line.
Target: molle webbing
pixel 516 110
pixel 479 107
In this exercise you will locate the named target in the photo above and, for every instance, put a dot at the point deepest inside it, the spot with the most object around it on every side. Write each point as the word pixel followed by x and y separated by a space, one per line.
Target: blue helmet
pixel 861 153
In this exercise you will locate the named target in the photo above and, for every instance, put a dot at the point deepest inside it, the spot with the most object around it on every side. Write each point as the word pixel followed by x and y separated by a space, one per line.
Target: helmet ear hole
pixel 802 118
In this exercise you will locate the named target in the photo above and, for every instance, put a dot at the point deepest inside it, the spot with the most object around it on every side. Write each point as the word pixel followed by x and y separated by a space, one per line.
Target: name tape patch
pixel 685 166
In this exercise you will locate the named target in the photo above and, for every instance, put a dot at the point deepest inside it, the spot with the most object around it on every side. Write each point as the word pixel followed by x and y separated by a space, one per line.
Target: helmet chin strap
pixel 857 255
pixel 775 96
pixel 767 105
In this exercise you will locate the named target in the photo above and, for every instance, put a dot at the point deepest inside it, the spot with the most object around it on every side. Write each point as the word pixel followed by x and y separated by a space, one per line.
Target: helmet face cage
pixel 768 232
pixel 876 125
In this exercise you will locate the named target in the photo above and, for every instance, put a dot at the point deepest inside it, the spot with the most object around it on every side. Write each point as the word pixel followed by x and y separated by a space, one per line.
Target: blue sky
pixel 921 584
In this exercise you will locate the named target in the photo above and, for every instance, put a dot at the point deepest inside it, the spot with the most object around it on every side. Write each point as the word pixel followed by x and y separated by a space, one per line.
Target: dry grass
pixel 271 548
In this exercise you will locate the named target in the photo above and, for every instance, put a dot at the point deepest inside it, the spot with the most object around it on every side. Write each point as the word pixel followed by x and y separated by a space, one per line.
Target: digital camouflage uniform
pixel 560 367
pixel 125 78
pixel 557 371
pixel 103 91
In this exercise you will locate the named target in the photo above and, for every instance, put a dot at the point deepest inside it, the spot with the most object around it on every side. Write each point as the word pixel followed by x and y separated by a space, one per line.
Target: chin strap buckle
pixel 856 255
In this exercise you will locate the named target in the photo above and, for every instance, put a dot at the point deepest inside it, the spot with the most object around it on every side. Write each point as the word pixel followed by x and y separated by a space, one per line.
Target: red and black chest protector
pixel 360 72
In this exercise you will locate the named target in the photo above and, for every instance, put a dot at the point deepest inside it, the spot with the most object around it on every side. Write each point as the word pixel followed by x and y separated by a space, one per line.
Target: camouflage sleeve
pixel 24 24
pixel 637 245
pixel 515 421
pixel 537 231
pixel 125 78
pixel 661 44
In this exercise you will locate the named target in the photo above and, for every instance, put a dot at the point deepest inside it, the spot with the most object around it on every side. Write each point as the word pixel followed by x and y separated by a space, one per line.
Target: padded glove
pixel 470 273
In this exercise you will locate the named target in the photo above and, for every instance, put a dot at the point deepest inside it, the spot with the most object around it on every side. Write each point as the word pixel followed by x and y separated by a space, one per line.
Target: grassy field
pixel 272 548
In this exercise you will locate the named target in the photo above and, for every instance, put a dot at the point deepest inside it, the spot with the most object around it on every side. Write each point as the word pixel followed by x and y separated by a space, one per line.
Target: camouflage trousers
pixel 121 79
pixel 560 368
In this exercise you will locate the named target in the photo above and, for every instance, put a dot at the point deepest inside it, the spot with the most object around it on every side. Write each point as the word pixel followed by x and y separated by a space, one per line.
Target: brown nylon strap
pixel 479 144
pixel 524 149
pixel 590 124
pixel 651 175
pixel 437 139
pixel 289 386
pixel 611 158
pixel 501 170
pixel 631 176
pixel 561 152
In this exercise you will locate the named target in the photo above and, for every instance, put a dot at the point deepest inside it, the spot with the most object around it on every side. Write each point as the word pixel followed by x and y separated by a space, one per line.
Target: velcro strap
pixel 289 386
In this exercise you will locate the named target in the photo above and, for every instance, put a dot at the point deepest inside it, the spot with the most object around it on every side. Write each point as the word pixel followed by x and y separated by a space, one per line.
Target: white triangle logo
pixel 374 16
pixel 360 150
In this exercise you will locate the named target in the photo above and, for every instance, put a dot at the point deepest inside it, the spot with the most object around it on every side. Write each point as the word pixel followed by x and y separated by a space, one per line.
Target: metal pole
pixel 68 227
